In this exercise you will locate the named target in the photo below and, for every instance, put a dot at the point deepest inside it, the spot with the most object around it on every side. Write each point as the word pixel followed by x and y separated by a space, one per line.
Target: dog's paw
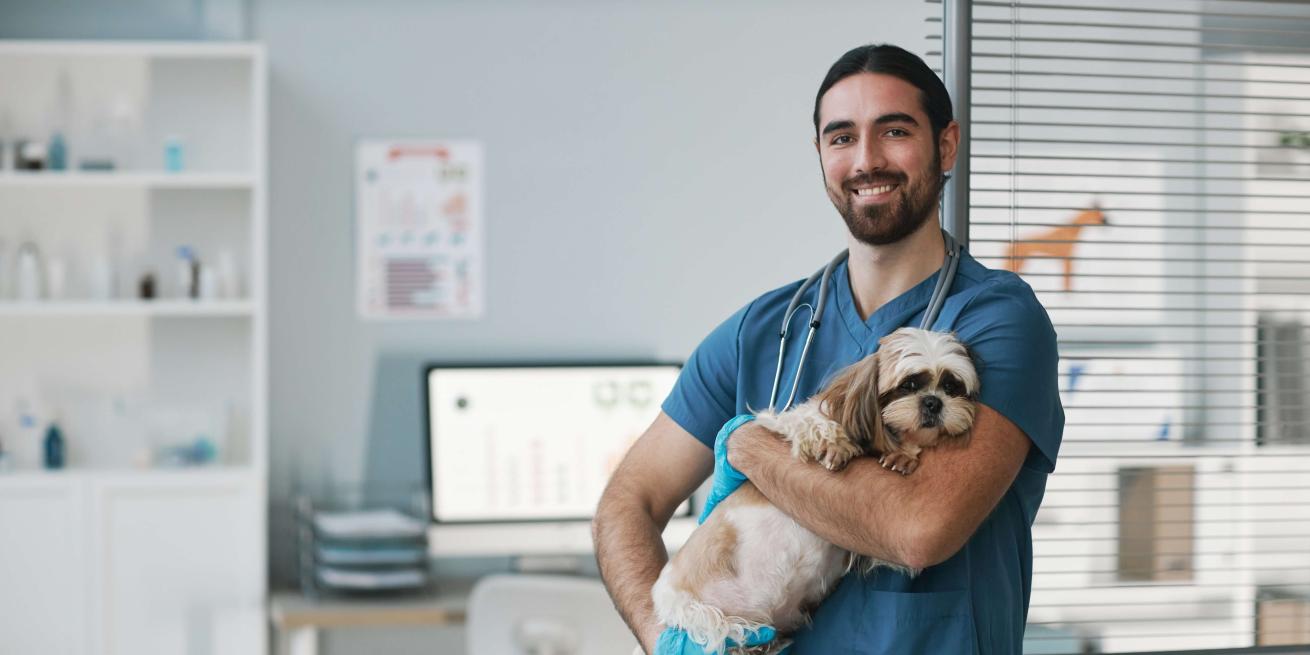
pixel 832 452
pixel 835 455
pixel 813 437
pixel 902 463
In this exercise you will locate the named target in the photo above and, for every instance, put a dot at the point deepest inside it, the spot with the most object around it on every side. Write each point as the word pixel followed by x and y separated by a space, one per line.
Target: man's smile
pixel 872 194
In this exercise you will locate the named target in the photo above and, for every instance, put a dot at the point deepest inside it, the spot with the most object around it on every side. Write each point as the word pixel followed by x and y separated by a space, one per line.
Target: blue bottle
pixel 57 153
pixel 173 155
pixel 54 447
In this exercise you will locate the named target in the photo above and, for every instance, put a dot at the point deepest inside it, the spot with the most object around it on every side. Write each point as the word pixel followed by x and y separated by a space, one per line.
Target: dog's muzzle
pixel 930 410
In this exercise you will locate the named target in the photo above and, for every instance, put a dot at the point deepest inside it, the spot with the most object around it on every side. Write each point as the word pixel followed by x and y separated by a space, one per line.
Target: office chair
pixel 544 615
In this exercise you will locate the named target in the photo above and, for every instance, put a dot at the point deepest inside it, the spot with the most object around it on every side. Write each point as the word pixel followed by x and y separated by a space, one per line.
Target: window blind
pixel 1146 168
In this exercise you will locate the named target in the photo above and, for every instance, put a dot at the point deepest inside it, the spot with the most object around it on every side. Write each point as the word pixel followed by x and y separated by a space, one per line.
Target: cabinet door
pixel 183 568
pixel 43 581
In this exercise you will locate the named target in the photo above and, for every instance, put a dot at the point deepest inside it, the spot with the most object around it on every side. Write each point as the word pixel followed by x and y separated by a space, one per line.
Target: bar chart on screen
pixel 512 444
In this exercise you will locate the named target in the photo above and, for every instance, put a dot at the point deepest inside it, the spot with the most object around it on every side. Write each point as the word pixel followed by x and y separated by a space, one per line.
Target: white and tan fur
pixel 750 565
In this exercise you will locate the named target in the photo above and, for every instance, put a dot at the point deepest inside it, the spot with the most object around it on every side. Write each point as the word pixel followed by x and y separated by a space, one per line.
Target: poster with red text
pixel 418 217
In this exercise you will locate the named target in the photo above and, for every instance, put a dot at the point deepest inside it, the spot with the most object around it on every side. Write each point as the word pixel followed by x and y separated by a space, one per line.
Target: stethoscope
pixel 939 294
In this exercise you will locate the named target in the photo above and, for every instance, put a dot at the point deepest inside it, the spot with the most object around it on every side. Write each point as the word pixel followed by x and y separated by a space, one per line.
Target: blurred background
pixel 287 288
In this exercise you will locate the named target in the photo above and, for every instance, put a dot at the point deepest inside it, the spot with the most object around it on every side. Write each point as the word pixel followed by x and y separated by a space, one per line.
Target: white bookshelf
pixel 164 559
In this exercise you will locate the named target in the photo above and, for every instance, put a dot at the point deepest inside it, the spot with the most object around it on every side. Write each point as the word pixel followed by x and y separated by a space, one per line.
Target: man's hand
pixel 726 478
pixel 753 438
pixel 676 642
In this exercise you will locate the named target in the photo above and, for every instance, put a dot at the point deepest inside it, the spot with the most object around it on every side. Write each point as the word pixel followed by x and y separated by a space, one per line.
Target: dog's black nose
pixel 932 404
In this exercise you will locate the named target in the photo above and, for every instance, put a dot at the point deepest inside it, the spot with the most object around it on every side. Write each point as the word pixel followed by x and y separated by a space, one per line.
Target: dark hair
pixel 897 62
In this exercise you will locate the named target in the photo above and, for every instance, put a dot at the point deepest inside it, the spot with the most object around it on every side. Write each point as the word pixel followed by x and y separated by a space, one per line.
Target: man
pixel 885 135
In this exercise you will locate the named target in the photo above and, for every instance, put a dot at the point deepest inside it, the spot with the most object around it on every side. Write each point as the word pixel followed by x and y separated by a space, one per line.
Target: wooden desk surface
pixel 291 610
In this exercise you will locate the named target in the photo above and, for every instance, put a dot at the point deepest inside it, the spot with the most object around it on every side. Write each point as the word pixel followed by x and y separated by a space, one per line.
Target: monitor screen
pixel 510 443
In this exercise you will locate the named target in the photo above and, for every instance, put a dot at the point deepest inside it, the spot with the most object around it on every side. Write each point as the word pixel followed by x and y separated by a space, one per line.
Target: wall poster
pixel 418 216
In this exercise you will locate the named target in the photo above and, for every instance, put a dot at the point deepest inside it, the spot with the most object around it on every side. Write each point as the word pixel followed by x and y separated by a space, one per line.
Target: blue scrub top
pixel 977 601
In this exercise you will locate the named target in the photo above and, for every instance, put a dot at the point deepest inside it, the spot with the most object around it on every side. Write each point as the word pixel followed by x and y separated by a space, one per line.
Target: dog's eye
pixel 909 385
pixel 952 388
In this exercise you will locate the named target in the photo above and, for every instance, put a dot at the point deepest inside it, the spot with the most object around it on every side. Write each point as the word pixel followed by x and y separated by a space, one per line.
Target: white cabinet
pixel 111 563
pixel 182 566
pixel 44 587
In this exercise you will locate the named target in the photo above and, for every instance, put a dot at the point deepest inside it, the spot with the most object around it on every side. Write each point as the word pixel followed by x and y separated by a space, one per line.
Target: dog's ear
pixel 977 368
pixel 852 401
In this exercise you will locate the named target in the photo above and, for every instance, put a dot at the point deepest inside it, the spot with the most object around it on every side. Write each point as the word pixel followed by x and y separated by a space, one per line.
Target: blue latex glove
pixel 673 641
pixel 726 478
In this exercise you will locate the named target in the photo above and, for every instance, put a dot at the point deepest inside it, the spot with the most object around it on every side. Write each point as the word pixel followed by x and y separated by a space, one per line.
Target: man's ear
pixel 948 143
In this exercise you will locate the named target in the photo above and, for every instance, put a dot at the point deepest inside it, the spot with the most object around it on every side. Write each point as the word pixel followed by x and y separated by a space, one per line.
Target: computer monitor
pixel 531 446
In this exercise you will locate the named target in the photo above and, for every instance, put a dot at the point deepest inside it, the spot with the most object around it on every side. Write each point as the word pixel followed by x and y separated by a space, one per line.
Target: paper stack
pixel 370 550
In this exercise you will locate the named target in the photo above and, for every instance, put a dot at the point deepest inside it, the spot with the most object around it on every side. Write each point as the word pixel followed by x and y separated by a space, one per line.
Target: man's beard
pixel 878 225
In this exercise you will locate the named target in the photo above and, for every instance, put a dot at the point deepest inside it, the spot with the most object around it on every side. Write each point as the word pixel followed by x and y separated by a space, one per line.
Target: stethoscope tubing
pixel 823 276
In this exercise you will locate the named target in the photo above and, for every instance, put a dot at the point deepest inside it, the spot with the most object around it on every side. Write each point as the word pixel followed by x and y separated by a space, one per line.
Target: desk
pixel 297 619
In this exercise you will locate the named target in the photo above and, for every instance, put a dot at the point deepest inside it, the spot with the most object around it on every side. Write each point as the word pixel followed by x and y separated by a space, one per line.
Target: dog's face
pixel 927 386
pixel 919 387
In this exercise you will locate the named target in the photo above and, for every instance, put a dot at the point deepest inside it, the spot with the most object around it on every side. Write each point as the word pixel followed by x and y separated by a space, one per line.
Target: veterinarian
pixel 886 138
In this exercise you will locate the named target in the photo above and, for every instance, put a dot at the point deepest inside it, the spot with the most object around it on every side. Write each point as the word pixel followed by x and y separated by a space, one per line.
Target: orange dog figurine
pixel 1058 243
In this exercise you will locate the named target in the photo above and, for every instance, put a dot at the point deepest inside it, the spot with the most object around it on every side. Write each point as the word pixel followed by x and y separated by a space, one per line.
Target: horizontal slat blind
pixel 1146 168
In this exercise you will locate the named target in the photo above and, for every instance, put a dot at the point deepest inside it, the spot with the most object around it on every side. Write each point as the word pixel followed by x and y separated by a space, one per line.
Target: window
pixel 1146 168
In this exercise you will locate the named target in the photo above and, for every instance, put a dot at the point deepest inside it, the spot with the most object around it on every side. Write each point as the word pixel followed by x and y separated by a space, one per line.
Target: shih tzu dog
pixel 749 565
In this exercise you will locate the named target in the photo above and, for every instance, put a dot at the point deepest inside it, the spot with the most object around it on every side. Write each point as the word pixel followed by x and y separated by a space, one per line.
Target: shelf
pixel 157 49
pixel 125 180
pixel 160 308
pixel 162 477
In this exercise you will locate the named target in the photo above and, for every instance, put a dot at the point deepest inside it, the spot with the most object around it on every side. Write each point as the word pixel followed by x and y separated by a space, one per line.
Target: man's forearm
pixel 835 506
pixel 630 553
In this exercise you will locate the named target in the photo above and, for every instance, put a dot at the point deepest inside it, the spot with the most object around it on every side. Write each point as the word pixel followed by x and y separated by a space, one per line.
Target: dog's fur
pixel 749 565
